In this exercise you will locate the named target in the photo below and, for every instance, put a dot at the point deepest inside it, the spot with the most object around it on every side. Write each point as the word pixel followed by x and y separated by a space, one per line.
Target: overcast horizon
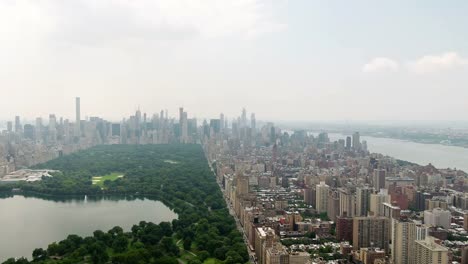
pixel 283 60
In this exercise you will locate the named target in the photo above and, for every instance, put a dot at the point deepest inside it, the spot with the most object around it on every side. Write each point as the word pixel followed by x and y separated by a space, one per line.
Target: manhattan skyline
pixel 233 131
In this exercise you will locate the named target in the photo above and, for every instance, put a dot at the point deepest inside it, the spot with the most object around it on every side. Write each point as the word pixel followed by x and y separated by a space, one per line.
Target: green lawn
pixel 99 180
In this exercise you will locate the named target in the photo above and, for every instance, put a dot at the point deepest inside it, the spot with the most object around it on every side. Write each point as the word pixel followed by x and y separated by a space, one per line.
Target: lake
pixel 27 223
pixel 440 156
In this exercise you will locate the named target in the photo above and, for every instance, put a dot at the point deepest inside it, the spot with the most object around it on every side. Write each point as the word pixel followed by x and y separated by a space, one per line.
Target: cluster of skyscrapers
pixel 24 145
pixel 364 207
pixel 283 185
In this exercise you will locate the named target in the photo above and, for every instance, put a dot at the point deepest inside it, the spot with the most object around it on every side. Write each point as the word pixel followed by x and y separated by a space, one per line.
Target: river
pixel 27 223
pixel 440 156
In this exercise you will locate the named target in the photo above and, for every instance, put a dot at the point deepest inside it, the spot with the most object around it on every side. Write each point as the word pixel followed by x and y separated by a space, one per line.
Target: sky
pixel 301 60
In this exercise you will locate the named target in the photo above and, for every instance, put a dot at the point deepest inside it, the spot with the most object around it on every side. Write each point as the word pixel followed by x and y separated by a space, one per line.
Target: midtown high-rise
pixel 77 117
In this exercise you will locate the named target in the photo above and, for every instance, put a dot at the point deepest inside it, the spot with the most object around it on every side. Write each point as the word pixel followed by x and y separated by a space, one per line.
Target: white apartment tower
pixel 77 117
pixel 321 198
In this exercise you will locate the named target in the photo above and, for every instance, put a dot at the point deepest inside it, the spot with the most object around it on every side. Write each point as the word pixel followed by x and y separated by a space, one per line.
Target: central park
pixel 177 175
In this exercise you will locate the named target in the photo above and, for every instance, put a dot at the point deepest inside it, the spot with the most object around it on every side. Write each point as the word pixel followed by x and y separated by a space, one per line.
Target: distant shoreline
pixel 335 134
pixel 366 134
pixel 421 141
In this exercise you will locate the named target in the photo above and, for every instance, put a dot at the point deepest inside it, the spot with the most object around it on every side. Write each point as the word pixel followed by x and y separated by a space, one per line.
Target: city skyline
pixel 19 121
pixel 173 112
pixel 284 60
pixel 276 185
pixel 233 131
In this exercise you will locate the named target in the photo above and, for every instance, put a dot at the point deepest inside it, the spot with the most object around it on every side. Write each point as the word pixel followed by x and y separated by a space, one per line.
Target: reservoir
pixel 27 223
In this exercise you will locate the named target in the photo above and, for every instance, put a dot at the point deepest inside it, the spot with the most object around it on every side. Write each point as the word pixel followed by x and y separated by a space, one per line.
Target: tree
pixel 166 228
pixel 98 234
pixel 98 253
pixel 236 258
pixel 229 260
pixel 166 260
pixel 120 244
pixel 220 253
pixel 115 231
pixel 39 254
pixel 213 244
pixel 135 256
pixel 55 249
pixel 189 189
pixel 187 243
pixel 135 229
pixel 203 255
pixel 169 246
pixel 17 261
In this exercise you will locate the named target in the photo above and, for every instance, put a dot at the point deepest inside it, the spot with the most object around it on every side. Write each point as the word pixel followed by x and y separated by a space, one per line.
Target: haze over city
pixel 284 60
pixel 233 132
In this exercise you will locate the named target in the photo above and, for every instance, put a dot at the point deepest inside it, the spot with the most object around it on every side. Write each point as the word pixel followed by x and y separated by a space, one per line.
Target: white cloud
pixel 380 64
pixel 435 63
pixel 92 22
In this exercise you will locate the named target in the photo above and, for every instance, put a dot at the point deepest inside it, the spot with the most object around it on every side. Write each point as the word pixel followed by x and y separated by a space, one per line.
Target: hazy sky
pixel 283 60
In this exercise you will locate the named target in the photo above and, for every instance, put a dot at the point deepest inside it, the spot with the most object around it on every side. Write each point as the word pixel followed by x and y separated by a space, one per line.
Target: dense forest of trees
pixel 178 175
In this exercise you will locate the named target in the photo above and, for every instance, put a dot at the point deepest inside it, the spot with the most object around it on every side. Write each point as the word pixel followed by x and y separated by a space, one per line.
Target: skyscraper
pixel 183 125
pixel 321 199
pixel 391 210
pixel 77 118
pixel 356 141
pixel 348 143
pixel 344 228
pixel 221 118
pixel 371 232
pixel 364 145
pixel 77 110
pixel 242 184
pixel 437 217
pixel 309 196
pixel 377 200
pixel 52 128
pixel 427 251
pixel 18 127
pixel 362 200
pixel 181 117
pixel 244 118
pixel 404 234
pixel 333 204
pixel 215 125
pixel 38 129
pixel 29 131
pixel 347 202
pixel 138 124
pixel 253 123
pixel 379 179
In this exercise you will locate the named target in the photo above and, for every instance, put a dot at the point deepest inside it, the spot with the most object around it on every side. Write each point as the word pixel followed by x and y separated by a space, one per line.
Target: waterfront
pixel 440 156
pixel 27 223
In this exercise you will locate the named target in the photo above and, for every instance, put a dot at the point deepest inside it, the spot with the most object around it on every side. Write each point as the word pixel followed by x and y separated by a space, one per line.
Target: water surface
pixel 440 156
pixel 27 223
